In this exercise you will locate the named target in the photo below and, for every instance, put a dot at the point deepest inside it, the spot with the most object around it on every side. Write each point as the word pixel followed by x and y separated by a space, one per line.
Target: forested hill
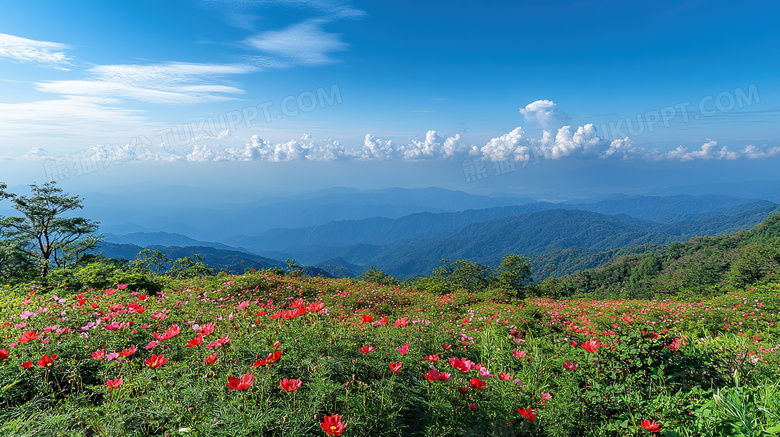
pixel 702 265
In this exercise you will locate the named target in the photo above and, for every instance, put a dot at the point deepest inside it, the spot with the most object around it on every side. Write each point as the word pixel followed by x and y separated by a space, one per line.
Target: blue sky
pixel 177 89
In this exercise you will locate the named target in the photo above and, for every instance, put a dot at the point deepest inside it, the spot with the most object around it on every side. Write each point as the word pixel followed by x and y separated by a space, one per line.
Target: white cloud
pixel 567 142
pixel 708 150
pixel 581 142
pixel 36 153
pixel 334 8
pixel 621 147
pixel 377 149
pixel 300 44
pixel 169 83
pixel 753 152
pixel 510 146
pixel 39 52
pixel 70 117
pixel 545 113
pixel 436 147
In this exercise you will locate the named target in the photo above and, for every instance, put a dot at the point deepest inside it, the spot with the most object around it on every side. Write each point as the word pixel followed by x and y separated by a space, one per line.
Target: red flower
pixel 332 425
pixel 4 354
pixel 396 367
pixel 114 383
pixel 649 335
pixel 446 346
pixel 171 332
pixel 435 375
pixel 461 364
pixel 403 321
pixel 591 345
pixel 432 358
pixel 365 318
pixel 528 414
pixel 403 350
pixel 206 329
pixel 651 426
pixel 315 307
pixel 47 361
pixel 27 365
pixel 271 358
pixel 290 384
pixel 29 336
pixel 195 341
pixel 274 356
pixel 570 366
pixel 477 384
pixel 211 359
pixel 241 384
pixel 129 351
pixel 366 349
pixel 504 376
pixel 155 361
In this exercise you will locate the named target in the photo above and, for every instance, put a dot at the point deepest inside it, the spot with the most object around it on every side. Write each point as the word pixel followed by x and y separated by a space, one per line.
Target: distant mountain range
pixel 210 217
pixel 232 261
pixel 557 237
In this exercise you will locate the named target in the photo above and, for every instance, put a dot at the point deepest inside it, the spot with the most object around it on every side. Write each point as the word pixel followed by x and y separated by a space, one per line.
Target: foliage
pixel 512 279
pixel 378 277
pixel 43 233
pixel 668 361
pixel 700 267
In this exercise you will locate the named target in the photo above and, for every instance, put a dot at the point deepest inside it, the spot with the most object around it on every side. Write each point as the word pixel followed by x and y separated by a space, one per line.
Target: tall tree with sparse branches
pixel 45 234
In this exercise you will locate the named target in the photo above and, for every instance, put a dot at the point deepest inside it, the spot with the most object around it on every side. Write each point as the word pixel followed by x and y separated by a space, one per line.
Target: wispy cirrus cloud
pixel 69 118
pixel 304 43
pixel 332 8
pixel 46 53
pixel 167 83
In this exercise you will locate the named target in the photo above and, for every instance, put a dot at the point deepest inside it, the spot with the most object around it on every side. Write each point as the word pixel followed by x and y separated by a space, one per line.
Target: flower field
pixel 262 355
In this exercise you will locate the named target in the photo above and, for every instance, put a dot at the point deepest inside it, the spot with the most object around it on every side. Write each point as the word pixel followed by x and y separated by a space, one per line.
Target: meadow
pixel 269 355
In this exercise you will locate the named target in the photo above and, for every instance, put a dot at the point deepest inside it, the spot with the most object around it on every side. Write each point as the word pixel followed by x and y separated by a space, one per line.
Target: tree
pixel 513 275
pixel 187 267
pixel 378 277
pixel 152 261
pixel 463 274
pixel 14 262
pixel 42 231
pixel 293 269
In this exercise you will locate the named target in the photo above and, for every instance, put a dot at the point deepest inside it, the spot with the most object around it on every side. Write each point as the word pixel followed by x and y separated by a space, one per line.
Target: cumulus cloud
pixel 712 151
pixel 545 113
pixel 580 142
pixel 39 52
pixel 510 146
pixel 36 153
pixel 169 83
pixel 304 43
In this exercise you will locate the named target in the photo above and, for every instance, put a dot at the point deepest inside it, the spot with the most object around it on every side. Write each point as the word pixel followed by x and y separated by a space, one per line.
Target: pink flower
pixel 519 354
pixel 403 350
